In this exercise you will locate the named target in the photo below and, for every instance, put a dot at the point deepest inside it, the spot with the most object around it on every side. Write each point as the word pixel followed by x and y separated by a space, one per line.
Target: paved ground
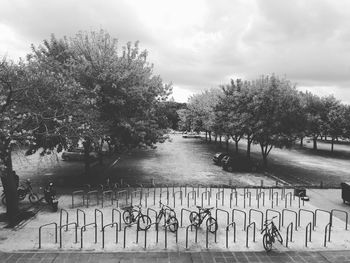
pixel 183 257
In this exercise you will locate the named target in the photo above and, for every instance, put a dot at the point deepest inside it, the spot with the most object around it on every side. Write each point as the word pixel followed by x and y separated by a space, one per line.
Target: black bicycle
pixel 169 216
pixel 198 218
pixel 134 214
pixel 271 233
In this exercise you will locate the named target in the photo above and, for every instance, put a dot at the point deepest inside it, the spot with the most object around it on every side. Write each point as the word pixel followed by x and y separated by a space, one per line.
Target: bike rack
pixel 224 211
pixel 64 210
pixel 258 211
pixel 79 192
pixel 116 233
pixel 286 199
pixel 188 198
pixel 128 226
pixel 324 211
pixel 182 210
pixel 135 193
pixel 207 197
pixel 76 234
pixel 236 196
pixel 299 198
pixel 234 232
pixel 167 196
pixel 110 192
pixel 150 209
pixel 272 202
pixel 283 192
pixel 83 229
pixel 254 230
pixel 258 198
pixel 120 218
pixel 55 224
pixel 308 230
pixel 248 193
pixel 94 192
pixel 121 193
pixel 154 195
pixel 296 217
pixel 279 216
pixel 270 192
pixel 207 235
pixel 341 211
pixel 289 229
pixel 196 227
pixel 166 237
pixel 244 214
pixel 84 216
pixel 307 211
pixel 174 195
pixel 327 229
pixel 101 213
pixel 157 225
pixel 217 197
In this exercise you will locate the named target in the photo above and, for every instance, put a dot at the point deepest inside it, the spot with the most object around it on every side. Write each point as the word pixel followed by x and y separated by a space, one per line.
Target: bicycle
pixel 22 191
pixel 271 234
pixel 198 218
pixel 132 215
pixel 170 219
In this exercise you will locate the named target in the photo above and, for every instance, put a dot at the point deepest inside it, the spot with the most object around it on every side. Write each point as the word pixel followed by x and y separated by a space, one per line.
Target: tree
pixel 278 113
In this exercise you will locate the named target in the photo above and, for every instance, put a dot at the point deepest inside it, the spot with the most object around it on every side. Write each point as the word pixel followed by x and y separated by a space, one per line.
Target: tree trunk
pixel 301 141
pixel 220 137
pixel 209 136
pixel 265 150
pixel 315 143
pixel 87 149
pixel 206 136
pixel 236 143
pixel 249 142
pixel 10 186
pixel 216 138
pixel 332 148
pixel 227 138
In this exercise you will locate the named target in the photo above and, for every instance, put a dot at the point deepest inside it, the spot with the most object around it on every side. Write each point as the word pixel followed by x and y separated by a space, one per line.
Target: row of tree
pixel 268 111
pixel 79 89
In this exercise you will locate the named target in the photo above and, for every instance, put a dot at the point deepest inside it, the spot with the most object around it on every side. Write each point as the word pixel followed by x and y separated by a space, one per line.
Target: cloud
pixel 200 44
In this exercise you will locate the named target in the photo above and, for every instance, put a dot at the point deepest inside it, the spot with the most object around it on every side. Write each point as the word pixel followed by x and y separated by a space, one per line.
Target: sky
pixel 201 44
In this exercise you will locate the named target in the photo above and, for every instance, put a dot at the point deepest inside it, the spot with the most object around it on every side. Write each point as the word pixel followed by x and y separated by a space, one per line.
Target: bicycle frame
pixel 203 214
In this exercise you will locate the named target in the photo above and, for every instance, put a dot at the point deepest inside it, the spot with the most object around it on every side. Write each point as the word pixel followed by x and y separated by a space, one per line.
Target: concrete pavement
pixel 178 257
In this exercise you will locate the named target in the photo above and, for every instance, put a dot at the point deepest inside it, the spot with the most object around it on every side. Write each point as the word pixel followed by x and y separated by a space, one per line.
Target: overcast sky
pixel 198 44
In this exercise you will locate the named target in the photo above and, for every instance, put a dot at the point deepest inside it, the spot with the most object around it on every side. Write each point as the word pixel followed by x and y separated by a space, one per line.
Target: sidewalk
pixel 175 257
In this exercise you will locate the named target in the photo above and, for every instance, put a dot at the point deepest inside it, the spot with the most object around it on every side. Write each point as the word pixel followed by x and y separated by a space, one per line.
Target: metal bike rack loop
pixel 55 224
pixel 254 230
pixel 182 210
pixel 207 197
pixel 83 229
pixel 103 233
pixel 308 231
pixel 61 211
pixel 79 192
pixel 84 216
pixel 328 230
pixel 223 211
pixel 120 218
pixel 93 192
pixel 196 227
pixel 274 211
pixel 259 212
pixel 76 234
pixel 234 232
pixel 307 211
pixel 244 217
pixel 289 230
pixel 194 193
pixel 324 211
pixel 207 235
pixel 296 217
pixel 340 211
pixel 101 213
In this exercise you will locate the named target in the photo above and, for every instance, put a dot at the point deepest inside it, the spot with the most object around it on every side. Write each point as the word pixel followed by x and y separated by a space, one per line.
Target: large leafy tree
pixel 278 113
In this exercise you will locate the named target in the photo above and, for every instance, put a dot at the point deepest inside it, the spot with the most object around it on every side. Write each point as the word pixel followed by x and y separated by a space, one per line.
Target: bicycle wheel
pixel 144 222
pixel 33 198
pixel 21 193
pixel 128 217
pixel 277 235
pixel 212 225
pixel 3 200
pixel 173 224
pixel 194 218
pixel 267 242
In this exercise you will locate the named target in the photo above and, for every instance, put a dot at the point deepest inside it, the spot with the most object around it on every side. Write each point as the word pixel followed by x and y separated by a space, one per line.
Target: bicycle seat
pixel 127 207
pixel 198 206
